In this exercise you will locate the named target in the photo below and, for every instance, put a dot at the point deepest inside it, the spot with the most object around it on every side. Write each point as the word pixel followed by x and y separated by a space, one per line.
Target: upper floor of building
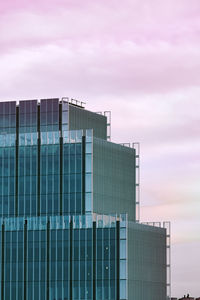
pixel 49 115
pixel 50 170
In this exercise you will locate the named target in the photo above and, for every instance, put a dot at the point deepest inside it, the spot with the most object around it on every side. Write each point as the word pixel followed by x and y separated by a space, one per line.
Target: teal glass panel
pixel 123 274
pixel 88 183
pixel 122 249
pixel 88 202
pixel 122 289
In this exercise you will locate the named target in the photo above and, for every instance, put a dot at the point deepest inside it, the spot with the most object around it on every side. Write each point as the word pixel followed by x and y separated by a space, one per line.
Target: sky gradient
pixel 139 59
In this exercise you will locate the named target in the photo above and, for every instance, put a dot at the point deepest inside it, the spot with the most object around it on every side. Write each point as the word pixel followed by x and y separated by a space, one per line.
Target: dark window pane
pixel 43 105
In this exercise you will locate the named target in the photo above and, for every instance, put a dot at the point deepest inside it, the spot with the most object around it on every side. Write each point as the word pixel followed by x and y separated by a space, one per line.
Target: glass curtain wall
pixel 27 151
pixel 44 168
pixel 60 258
pixel 72 177
pixel 50 174
pixel 7 158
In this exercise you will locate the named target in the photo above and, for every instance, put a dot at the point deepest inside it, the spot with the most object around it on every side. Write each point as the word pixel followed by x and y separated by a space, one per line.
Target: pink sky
pixel 139 59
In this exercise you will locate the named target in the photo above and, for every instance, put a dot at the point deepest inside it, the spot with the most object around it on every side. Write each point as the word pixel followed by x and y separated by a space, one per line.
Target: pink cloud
pixel 142 47
pixel 123 68
pixel 115 21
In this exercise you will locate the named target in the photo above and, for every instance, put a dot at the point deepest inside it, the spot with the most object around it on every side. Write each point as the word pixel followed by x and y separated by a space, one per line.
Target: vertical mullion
pixel 2 263
pixel 48 243
pixel 61 175
pixel 94 260
pixel 118 260
pixel 38 161
pixel 16 160
pixel 71 262
pixel 38 181
pixel 25 257
pixel 83 175
pixel 60 116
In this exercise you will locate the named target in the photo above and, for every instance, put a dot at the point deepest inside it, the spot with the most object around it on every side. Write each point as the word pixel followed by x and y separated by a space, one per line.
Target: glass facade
pixel 7 158
pixel 45 169
pixel 114 178
pixel 51 246
pixel 62 257
pixel 63 205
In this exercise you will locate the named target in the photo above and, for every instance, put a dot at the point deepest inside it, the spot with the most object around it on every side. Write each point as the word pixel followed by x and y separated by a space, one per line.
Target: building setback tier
pixel 68 199
pixel 81 257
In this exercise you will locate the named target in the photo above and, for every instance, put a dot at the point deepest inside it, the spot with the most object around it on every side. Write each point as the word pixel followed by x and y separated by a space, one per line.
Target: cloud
pixel 117 49
pixel 127 68
pixel 130 20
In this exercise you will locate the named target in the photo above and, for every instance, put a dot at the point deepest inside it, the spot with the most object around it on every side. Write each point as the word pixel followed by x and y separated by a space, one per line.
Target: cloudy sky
pixel 139 59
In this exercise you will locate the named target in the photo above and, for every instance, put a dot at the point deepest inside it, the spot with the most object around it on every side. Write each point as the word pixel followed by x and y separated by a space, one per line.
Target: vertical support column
pixel 25 258
pixel 108 115
pixel 94 260
pixel 47 261
pixel 38 166
pixel 61 175
pixel 88 171
pixel 71 261
pixel 2 262
pixel 60 116
pixel 136 146
pixel 16 160
pixel 167 226
pixel 118 260
pixel 83 175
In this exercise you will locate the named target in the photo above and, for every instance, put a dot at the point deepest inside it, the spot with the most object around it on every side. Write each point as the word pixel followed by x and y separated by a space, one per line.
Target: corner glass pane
pixel 122 249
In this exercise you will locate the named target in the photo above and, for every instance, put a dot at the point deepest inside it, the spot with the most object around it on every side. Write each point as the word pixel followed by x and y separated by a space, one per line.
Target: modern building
pixel 68 203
